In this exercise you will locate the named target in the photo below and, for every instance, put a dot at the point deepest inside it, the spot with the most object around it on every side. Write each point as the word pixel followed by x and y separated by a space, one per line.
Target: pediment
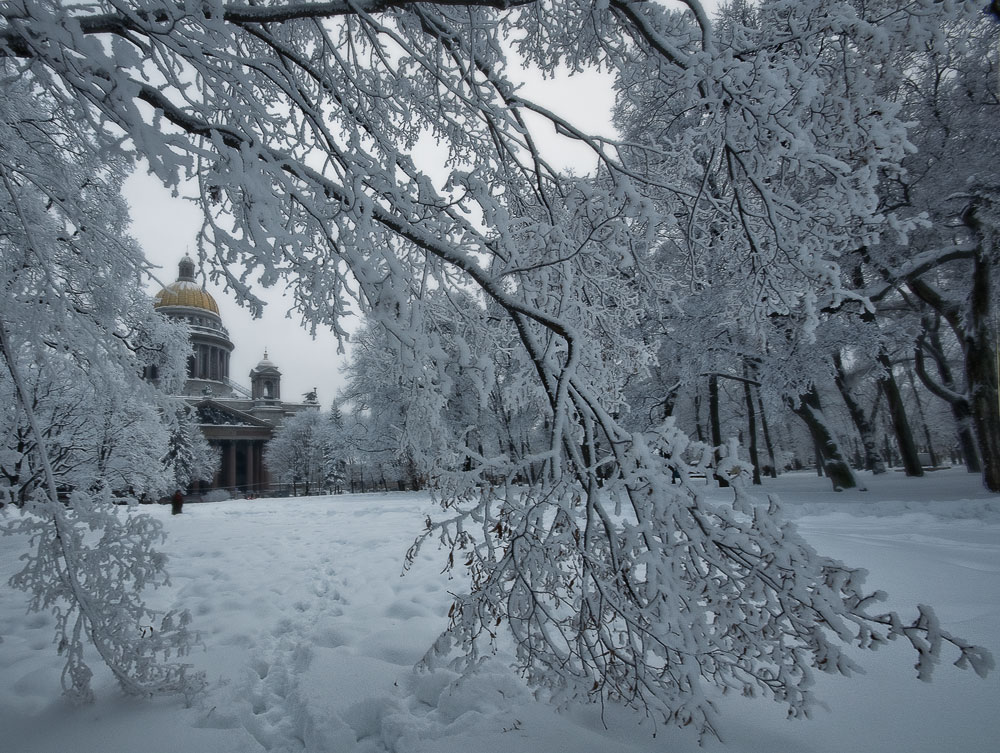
pixel 215 413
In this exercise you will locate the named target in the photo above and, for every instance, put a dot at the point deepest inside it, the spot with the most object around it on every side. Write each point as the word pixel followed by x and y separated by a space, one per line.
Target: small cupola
pixel 185 269
pixel 265 380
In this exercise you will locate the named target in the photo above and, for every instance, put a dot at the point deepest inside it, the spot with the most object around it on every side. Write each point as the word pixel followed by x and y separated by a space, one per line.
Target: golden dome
pixel 186 293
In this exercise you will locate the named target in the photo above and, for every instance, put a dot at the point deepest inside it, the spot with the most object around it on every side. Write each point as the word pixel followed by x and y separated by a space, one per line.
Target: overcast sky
pixel 166 226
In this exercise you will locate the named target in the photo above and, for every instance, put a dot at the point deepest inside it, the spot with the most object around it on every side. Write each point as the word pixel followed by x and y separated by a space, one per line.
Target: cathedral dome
pixel 186 292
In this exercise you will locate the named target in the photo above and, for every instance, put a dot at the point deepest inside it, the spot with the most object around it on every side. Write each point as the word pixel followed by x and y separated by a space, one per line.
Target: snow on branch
pixel 749 169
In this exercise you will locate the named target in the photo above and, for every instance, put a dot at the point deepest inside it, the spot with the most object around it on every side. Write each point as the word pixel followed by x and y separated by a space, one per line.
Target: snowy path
pixel 311 636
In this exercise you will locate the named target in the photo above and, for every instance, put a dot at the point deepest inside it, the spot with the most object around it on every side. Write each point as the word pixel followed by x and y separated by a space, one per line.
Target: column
pixel 251 448
pixel 231 456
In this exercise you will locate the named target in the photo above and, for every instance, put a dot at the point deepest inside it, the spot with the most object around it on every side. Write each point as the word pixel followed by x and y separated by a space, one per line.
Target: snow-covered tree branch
pixel 75 332
pixel 750 164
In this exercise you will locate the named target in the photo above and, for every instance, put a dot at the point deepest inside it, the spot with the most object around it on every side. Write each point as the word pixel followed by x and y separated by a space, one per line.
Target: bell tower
pixel 265 381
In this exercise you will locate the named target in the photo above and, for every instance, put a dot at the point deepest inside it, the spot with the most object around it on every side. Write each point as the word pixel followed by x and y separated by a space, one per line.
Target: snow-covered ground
pixel 310 636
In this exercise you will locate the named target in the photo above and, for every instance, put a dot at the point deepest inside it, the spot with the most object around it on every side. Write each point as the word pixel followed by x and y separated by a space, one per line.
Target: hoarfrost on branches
pixel 761 148
pixel 75 333
pixel 89 564
pixel 189 457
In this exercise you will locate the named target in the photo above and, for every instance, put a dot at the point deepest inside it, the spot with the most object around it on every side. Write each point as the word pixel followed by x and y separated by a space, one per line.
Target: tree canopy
pixel 750 166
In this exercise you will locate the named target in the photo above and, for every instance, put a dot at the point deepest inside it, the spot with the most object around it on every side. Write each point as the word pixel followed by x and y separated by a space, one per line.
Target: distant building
pixel 238 420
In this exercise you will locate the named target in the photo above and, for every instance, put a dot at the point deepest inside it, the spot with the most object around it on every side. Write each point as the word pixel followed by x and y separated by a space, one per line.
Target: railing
pixel 239 388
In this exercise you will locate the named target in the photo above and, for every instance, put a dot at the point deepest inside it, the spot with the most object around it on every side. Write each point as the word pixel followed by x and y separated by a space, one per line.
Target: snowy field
pixel 310 635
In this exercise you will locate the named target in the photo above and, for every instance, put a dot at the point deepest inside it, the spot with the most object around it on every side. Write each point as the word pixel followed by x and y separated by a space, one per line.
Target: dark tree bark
pixel 980 355
pixel 751 430
pixel 929 343
pixel 978 345
pixel 698 430
pixel 765 430
pixel 873 460
pixel 810 410
pixel 923 418
pixel 713 419
pixel 890 454
pixel 900 424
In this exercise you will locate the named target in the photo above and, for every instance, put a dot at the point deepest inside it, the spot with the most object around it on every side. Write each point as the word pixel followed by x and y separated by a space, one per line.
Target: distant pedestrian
pixel 176 503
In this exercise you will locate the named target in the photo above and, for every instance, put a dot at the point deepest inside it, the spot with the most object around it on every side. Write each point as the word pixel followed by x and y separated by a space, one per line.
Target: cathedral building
pixel 236 419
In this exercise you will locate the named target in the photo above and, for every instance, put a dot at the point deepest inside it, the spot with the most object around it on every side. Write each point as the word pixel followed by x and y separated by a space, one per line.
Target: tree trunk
pixel 980 359
pixel 889 454
pixel 930 343
pixel 873 458
pixel 716 426
pixel 923 418
pixel 967 441
pixel 838 469
pixel 900 424
pixel 751 430
pixel 767 437
pixel 978 345
pixel 699 432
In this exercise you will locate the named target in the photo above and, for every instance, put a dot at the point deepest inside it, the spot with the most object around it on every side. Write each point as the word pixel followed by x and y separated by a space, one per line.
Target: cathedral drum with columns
pixel 237 420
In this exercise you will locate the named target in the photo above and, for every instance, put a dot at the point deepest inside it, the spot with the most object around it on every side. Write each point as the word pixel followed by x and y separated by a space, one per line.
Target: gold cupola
pixel 185 291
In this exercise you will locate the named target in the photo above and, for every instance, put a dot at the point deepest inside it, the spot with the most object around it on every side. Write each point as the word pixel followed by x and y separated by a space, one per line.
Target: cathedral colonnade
pixel 241 470
pixel 209 362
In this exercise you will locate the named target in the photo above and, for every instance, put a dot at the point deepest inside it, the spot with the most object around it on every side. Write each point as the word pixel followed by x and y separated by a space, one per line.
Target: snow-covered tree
pixel 56 401
pixel 953 181
pixel 296 454
pixel 189 456
pixel 335 463
pixel 450 414
pixel 75 332
pixel 391 413
pixel 760 152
